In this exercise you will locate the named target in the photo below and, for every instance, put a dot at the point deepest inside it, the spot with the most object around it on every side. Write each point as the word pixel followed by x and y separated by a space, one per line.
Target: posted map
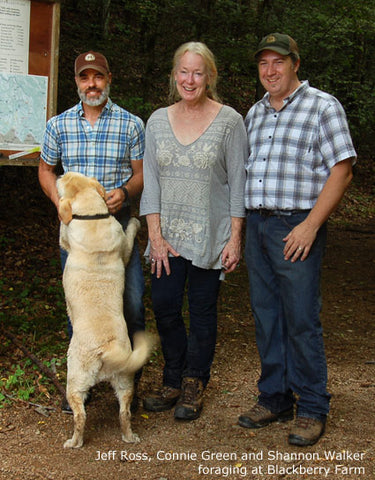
pixel 23 110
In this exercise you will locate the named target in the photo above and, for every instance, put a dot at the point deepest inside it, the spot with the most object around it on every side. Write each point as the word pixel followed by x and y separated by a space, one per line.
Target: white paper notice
pixel 14 36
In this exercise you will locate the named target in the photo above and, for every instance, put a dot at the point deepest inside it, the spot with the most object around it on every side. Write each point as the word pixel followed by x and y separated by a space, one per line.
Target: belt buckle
pixel 264 212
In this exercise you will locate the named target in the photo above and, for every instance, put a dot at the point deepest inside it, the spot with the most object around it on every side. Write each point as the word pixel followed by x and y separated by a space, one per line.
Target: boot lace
pixel 305 422
pixel 191 390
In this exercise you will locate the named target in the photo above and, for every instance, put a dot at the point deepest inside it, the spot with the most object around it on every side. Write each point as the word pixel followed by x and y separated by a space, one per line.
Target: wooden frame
pixel 43 60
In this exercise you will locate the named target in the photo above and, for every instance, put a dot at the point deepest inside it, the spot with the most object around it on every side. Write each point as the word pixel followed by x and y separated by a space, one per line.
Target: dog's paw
pixel 133 438
pixel 72 443
pixel 135 223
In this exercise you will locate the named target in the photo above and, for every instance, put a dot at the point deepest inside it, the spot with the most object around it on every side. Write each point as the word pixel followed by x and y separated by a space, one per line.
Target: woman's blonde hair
pixel 201 49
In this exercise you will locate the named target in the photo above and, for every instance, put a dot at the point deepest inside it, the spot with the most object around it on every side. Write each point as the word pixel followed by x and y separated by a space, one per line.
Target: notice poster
pixel 14 36
pixel 29 39
pixel 23 110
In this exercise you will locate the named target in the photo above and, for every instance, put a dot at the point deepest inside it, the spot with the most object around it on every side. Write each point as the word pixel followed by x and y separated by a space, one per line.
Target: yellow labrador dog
pixel 93 280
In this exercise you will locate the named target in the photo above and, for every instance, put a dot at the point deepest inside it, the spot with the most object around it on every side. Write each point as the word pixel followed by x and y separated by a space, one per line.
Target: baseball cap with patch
pixel 94 60
pixel 279 43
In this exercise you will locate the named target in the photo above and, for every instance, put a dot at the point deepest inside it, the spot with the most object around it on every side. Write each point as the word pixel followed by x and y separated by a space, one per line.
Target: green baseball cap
pixel 279 43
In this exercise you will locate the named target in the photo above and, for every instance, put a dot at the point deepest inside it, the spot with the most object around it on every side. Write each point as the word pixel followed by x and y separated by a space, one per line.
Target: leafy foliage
pixel 139 37
pixel 32 304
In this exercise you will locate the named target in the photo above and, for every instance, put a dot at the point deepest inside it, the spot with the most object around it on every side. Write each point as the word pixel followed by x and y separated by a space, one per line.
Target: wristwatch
pixel 126 193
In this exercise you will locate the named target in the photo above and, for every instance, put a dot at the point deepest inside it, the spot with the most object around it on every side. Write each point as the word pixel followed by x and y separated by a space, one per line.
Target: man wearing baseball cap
pixel 299 166
pixel 94 60
pixel 99 139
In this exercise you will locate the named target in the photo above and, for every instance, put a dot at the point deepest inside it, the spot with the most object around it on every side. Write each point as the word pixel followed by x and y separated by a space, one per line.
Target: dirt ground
pixel 214 446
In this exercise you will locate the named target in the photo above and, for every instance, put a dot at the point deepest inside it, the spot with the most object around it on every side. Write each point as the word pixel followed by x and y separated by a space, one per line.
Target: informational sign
pixel 14 36
pixel 29 34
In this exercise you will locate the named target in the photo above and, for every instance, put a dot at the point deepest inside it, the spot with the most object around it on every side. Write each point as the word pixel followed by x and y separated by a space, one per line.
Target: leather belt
pixel 264 212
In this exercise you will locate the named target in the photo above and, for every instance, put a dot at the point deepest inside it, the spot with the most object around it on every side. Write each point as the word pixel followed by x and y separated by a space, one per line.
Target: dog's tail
pixel 143 343
pixel 117 361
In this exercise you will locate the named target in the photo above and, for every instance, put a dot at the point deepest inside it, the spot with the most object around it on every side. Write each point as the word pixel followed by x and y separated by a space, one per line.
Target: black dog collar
pixel 98 216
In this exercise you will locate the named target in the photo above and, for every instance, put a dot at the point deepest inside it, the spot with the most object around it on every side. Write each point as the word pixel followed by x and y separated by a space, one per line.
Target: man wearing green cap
pixel 299 166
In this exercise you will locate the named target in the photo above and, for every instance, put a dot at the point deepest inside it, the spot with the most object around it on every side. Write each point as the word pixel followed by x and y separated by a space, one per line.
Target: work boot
pixel 306 431
pixel 163 399
pixel 190 403
pixel 259 416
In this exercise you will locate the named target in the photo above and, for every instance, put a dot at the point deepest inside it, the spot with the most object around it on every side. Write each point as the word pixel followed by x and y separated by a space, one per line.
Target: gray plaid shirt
pixel 292 150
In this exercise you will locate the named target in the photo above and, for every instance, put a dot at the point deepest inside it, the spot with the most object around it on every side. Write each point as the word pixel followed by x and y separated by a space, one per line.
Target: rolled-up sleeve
pixel 51 151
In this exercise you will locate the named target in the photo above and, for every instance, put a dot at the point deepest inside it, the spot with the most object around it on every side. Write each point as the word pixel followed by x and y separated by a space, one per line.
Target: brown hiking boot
pixel 190 403
pixel 306 431
pixel 163 399
pixel 260 416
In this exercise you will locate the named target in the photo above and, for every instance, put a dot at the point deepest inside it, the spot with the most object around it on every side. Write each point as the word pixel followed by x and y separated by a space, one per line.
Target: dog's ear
pixel 99 187
pixel 69 187
pixel 65 210
pixel 101 190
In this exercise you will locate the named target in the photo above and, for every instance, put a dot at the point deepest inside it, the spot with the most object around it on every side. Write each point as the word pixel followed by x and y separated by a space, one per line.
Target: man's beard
pixel 94 102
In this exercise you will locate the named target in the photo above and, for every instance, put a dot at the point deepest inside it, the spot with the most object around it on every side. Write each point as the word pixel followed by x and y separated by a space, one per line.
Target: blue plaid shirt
pixel 103 151
pixel 292 150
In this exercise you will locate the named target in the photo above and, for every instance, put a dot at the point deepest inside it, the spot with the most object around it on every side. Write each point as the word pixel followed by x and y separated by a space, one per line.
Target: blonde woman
pixel 193 200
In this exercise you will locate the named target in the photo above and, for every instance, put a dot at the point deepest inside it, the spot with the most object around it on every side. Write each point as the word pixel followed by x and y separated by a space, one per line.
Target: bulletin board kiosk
pixel 29 39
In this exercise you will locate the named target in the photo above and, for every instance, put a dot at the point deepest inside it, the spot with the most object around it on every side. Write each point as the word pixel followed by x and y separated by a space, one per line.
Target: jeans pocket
pixel 291 221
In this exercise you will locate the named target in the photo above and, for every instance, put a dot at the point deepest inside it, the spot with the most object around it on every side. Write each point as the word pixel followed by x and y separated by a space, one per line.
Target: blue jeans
pixel 186 354
pixel 134 311
pixel 286 303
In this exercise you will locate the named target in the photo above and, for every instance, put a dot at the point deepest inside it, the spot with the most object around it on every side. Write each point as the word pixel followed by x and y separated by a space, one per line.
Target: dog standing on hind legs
pixel 93 280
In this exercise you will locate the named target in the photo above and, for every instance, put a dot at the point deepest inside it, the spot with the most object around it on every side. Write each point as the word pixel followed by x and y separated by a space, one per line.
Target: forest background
pixel 139 37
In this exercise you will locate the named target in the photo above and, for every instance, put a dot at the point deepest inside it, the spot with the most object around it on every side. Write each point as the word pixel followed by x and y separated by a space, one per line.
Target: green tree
pixel 139 38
